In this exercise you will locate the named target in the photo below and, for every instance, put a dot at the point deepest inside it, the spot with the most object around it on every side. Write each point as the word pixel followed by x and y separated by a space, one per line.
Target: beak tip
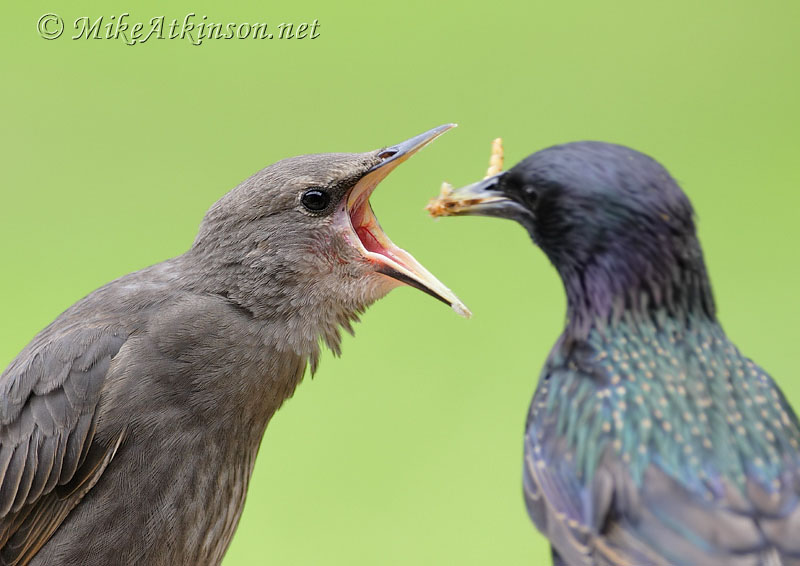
pixel 438 131
pixel 461 310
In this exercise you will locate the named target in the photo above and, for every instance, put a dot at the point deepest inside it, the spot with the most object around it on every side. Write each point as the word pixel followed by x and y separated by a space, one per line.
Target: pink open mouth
pixel 389 259
pixel 369 231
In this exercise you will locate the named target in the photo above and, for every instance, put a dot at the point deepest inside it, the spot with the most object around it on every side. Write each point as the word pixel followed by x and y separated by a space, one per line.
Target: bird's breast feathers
pixel 678 403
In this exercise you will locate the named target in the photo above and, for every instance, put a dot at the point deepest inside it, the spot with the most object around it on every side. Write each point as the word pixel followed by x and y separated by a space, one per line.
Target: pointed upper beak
pixel 396 154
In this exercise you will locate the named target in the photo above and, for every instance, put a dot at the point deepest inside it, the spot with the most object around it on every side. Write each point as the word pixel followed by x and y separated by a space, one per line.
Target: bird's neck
pixel 277 294
pixel 610 286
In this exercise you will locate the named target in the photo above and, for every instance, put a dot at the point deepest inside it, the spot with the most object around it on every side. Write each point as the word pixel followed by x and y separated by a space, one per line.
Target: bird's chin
pixel 363 231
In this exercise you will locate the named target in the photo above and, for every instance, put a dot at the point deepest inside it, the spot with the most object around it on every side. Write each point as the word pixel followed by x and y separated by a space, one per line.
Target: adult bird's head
pixel 616 225
pixel 298 243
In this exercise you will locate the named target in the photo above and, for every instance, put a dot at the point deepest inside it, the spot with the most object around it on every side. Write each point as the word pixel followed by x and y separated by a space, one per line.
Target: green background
pixel 408 449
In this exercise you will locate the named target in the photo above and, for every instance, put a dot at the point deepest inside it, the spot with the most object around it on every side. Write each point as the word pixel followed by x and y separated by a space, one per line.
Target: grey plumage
pixel 129 427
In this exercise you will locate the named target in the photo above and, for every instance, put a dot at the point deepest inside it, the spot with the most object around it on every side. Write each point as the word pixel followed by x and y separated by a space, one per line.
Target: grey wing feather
pixel 48 397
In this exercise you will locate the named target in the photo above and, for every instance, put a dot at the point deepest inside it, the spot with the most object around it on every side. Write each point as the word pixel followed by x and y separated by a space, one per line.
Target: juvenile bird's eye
pixel 315 200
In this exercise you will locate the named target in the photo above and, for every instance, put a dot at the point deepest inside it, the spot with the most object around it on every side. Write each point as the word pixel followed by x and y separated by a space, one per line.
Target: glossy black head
pixel 611 219
pixel 586 196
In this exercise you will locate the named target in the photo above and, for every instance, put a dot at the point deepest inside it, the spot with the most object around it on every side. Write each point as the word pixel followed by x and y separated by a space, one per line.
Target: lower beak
pixel 478 199
pixel 389 259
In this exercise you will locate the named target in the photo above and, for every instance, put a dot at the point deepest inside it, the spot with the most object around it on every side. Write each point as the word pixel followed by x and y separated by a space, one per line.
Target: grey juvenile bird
pixel 130 425
pixel 651 439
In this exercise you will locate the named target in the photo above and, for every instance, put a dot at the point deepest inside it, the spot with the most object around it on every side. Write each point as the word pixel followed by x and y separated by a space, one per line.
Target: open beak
pixel 483 198
pixel 389 259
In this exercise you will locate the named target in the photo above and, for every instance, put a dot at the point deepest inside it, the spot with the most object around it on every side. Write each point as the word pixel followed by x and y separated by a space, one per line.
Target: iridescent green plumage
pixel 684 397
pixel 651 440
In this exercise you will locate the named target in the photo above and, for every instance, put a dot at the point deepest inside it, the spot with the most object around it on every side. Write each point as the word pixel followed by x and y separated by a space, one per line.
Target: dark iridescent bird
pixel 651 439
pixel 130 425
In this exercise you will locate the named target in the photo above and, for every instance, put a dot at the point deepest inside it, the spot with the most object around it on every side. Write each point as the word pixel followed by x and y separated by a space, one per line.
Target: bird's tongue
pixel 390 259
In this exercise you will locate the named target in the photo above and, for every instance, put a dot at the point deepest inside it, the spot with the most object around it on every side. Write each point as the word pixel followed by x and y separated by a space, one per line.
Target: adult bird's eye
pixel 315 200
pixel 531 194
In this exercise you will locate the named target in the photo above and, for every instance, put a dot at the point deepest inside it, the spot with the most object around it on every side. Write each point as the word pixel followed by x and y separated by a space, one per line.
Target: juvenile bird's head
pixel 298 243
pixel 612 220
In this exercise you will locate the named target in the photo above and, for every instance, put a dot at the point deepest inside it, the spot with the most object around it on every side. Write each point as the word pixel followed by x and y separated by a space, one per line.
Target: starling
pixel 651 439
pixel 130 425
